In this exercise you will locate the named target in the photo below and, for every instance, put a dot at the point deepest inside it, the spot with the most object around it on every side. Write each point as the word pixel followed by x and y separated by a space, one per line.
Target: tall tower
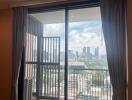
pixel 88 53
pixel 97 52
pixel 84 50
pixel 77 55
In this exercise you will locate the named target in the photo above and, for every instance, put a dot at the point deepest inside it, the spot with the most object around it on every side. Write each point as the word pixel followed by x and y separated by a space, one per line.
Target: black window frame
pixel 66 7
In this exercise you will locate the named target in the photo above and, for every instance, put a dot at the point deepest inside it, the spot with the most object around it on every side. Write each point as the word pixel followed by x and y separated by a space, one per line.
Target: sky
pixel 81 34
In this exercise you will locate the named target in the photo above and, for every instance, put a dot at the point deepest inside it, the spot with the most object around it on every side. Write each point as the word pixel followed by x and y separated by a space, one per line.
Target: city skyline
pixel 81 34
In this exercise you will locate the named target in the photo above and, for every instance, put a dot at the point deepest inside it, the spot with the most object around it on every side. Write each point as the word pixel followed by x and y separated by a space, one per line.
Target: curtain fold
pixel 113 23
pixel 19 37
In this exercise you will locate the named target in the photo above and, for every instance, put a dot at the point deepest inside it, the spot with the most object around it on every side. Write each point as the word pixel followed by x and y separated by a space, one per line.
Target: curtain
pixel 113 23
pixel 19 36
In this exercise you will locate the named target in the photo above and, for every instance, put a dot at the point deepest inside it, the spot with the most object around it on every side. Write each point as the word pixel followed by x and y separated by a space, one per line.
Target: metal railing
pixel 47 74
pixel 83 84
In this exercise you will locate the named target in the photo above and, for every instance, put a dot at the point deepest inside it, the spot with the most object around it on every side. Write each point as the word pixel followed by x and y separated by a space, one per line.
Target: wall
pixel 5 53
pixel 129 39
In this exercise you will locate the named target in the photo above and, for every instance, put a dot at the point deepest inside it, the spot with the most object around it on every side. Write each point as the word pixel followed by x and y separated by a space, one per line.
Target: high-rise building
pixel 97 52
pixel 88 50
pixel 71 55
pixel 77 55
pixel 89 55
pixel 84 51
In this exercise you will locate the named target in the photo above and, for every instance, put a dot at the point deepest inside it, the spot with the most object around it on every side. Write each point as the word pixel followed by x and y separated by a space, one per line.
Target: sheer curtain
pixel 113 22
pixel 19 36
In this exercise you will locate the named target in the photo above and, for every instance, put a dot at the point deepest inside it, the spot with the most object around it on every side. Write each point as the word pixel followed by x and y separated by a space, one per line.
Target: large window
pixel 66 58
pixel 87 63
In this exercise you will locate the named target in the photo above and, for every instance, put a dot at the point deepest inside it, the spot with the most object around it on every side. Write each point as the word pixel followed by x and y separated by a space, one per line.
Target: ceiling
pixel 11 3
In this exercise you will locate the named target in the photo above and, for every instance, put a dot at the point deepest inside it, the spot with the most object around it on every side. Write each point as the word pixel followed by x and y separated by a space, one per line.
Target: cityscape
pixel 88 76
pixel 84 56
pixel 82 82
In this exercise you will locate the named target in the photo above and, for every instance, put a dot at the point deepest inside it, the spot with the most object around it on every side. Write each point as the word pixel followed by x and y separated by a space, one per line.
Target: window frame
pixel 66 8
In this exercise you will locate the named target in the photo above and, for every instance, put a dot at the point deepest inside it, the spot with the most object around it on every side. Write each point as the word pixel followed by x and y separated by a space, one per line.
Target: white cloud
pixel 54 29
pixel 80 34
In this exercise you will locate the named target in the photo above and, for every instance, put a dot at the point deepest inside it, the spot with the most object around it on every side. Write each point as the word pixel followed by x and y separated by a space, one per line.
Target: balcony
pixel 83 84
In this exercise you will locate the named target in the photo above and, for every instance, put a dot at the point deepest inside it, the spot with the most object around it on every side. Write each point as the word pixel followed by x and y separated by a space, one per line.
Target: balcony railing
pixel 83 84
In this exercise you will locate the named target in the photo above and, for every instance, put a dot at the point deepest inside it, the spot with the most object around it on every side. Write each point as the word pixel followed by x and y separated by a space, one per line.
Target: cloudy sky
pixel 81 34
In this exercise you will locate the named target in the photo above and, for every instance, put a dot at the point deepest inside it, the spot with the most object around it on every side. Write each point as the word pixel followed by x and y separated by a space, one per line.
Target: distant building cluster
pixel 84 55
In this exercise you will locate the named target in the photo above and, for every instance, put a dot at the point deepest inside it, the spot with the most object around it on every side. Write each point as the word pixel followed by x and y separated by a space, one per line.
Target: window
pixel 66 57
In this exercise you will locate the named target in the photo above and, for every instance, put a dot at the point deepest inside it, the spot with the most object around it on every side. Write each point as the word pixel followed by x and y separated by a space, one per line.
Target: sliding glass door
pixel 88 77
pixel 66 57
pixel 47 53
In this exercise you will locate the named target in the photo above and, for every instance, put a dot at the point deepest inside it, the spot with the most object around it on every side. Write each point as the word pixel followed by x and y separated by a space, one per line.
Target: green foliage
pixel 96 64
pixel 98 78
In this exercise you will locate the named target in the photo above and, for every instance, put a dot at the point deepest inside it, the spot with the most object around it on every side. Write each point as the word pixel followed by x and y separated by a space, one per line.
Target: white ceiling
pixel 74 15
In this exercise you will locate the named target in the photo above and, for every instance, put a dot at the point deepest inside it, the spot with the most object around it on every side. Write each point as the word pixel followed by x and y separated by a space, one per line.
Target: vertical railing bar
pixel 107 85
pixel 30 47
pixel 55 65
pixel 40 67
pixel 66 56
pixel 96 84
pixel 46 58
pixel 54 80
pixel 50 62
pixel 33 46
pixel 46 65
pixel 72 81
pixel 33 60
pixel 59 70
pixel 36 65
pixel 110 89
pixel 77 82
pixel 48 70
pixel 99 83
pixel 42 80
pixel 26 54
pixel 45 68
pixel 32 76
pixel 103 87
pixel 90 85
pixel 30 53
pixel 33 37
pixel 74 84
pixel 26 47
pixel 86 81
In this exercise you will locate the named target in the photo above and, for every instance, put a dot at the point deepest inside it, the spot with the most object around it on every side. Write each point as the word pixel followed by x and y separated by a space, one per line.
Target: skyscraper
pixel 77 55
pixel 88 53
pixel 84 51
pixel 97 52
